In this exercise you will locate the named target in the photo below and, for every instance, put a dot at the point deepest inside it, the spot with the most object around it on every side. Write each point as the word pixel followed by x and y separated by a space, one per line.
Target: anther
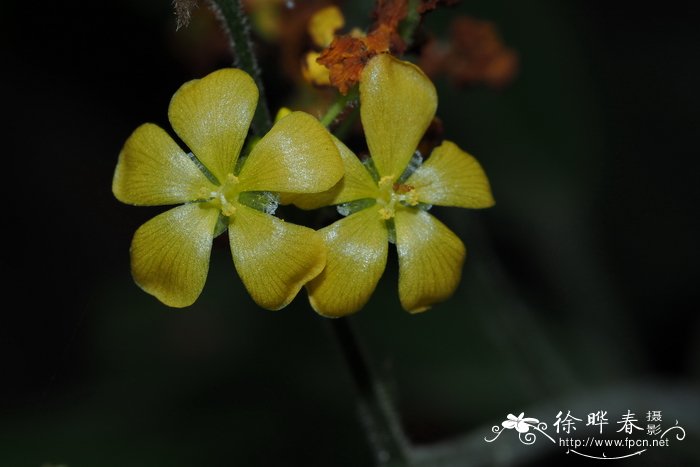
pixel 387 180
pixel 411 198
pixel 386 213
pixel 228 210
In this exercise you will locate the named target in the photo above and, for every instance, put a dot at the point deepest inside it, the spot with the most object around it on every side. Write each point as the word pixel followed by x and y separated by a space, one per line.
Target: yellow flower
pixel 397 103
pixel 323 25
pixel 313 72
pixel 170 253
pixel 321 28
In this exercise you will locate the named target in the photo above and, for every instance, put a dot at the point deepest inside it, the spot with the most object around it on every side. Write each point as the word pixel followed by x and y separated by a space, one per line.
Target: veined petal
pixel 170 253
pixel 356 184
pixel 397 103
pixel 212 116
pixel 430 259
pixel 153 170
pixel 357 252
pixel 274 258
pixel 296 156
pixel 451 177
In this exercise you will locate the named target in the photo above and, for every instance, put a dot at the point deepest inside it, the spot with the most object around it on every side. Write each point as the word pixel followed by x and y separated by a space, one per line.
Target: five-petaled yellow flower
pixel 397 103
pixel 170 253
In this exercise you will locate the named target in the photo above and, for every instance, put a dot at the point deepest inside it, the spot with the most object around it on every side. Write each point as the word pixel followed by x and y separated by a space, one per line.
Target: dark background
pixel 580 290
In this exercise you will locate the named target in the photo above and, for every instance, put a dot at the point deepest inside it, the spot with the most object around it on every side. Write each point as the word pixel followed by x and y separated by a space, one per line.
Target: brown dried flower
pixel 475 54
pixel 347 55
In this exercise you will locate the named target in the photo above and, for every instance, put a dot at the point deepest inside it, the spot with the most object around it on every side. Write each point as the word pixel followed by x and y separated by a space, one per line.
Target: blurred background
pixel 579 292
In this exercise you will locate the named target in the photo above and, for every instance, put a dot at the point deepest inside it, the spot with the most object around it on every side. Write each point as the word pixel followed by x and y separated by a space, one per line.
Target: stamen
pixel 228 210
pixel 411 198
pixel 387 180
pixel 386 213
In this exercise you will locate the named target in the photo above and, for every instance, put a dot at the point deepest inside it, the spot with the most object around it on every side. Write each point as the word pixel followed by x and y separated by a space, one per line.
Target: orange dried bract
pixel 476 54
pixel 385 36
pixel 484 56
pixel 390 12
pixel 379 40
pixel 402 188
pixel 428 5
pixel 501 69
pixel 346 57
pixel 433 57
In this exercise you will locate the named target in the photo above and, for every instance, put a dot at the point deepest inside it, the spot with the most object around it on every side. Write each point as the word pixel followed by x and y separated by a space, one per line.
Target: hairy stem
pixel 381 421
pixel 235 22
pixel 410 23
pixel 339 105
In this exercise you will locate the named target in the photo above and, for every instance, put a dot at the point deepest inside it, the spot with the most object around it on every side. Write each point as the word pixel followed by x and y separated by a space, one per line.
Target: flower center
pixel 391 193
pixel 225 197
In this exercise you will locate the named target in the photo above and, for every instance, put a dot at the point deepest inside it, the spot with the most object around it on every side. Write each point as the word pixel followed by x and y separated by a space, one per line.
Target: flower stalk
pixel 409 25
pixel 379 417
pixel 235 23
pixel 339 105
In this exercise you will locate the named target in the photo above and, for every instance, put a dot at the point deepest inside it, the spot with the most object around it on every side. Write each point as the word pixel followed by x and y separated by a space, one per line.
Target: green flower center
pixel 225 198
pixel 391 193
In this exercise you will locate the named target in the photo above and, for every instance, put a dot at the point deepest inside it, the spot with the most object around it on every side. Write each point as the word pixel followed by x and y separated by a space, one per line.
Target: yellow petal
pixel 296 156
pixel 397 103
pixel 212 116
pixel 313 72
pixel 451 177
pixel 430 259
pixel 356 184
pixel 357 252
pixel 323 25
pixel 153 170
pixel 274 258
pixel 281 113
pixel 170 253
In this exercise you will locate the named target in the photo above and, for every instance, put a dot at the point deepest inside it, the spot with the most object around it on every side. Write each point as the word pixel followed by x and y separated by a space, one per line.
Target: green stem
pixel 235 23
pixel 410 23
pixel 339 105
pixel 379 416
pixel 346 125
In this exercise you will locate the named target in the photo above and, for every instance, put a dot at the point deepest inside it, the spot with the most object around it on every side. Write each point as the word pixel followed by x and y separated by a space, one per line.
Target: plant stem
pixel 410 23
pixel 339 105
pixel 381 421
pixel 235 23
